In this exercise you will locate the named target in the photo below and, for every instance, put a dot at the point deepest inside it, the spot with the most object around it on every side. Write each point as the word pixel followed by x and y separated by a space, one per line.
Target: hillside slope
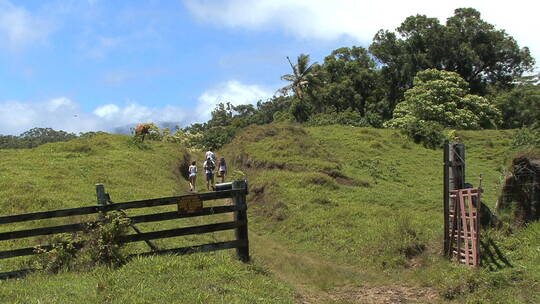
pixel 359 209
pixel 63 175
pixel 337 215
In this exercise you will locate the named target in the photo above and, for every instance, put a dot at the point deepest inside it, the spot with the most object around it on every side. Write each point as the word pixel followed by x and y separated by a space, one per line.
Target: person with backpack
pixel 210 154
pixel 222 169
pixel 209 167
pixel 192 176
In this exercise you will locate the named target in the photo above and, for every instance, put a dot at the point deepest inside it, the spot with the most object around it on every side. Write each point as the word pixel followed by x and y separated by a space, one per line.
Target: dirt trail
pixel 321 281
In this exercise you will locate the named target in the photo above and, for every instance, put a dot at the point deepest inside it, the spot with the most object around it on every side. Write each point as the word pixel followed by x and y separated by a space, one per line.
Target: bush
pixel 214 138
pixel 526 138
pixel 99 244
pixel 347 118
pixel 428 133
pixel 285 117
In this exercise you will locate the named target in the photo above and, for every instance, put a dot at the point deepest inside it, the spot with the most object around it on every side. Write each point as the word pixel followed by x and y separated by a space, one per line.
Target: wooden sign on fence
pixel 189 204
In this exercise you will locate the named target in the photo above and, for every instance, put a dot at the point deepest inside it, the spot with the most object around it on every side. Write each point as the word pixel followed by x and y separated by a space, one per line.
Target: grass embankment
pixel 357 208
pixel 63 175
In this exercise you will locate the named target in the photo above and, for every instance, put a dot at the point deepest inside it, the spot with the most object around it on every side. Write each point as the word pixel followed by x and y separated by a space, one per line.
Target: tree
pixel 222 115
pixel 520 107
pixel 350 80
pixel 301 70
pixel 34 137
pixel 440 99
pixel 467 45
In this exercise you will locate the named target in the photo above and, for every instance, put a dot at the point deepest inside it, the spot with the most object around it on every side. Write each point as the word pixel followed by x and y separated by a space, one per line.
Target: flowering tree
pixel 442 97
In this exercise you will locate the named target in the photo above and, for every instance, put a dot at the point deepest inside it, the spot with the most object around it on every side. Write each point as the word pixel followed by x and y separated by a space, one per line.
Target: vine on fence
pixel 98 244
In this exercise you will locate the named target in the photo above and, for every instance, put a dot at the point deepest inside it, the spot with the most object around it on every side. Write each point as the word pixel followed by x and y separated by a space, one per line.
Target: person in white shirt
pixel 210 154
pixel 222 169
pixel 192 176
pixel 209 167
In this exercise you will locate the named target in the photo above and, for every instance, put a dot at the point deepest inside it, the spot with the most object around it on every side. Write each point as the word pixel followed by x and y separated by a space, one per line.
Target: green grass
pixel 381 212
pixel 63 175
pixel 203 278
pixel 336 215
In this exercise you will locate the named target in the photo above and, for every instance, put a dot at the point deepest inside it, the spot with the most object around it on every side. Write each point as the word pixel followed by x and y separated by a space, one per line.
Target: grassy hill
pixel 366 206
pixel 337 215
pixel 63 175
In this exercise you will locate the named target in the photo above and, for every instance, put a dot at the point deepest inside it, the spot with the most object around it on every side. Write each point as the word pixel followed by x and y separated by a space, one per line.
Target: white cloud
pixel 64 114
pixel 19 27
pixel 231 91
pixel 360 20
pixel 107 111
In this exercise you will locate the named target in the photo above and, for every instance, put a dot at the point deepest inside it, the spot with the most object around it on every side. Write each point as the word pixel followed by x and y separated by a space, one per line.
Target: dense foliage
pixel 33 138
pixel 468 62
pixel 468 45
pixel 440 99
pixel 521 105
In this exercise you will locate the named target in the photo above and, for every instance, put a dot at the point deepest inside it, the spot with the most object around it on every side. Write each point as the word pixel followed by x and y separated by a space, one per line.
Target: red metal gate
pixel 463 233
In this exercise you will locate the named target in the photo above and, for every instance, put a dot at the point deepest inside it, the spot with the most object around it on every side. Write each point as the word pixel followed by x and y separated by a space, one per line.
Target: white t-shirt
pixel 211 155
pixel 192 170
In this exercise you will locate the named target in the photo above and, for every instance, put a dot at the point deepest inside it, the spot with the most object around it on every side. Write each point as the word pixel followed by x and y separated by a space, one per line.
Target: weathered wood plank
pixel 21 252
pixel 48 214
pixel 240 216
pixel 117 206
pixel 135 219
pixel 138 237
pixel 15 274
pixel 175 215
pixel 42 231
pixel 194 249
pixel 175 251
pixel 179 232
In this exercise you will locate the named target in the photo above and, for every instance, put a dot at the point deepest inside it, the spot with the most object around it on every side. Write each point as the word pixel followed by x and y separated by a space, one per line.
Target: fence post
pixel 241 215
pixel 454 179
pixel 446 198
pixel 101 198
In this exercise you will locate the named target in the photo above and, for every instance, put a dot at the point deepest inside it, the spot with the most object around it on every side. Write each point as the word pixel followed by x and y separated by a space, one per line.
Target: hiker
pixel 209 167
pixel 192 176
pixel 210 154
pixel 222 169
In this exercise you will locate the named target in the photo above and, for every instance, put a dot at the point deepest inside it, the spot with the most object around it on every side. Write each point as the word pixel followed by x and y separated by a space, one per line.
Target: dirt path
pixel 321 281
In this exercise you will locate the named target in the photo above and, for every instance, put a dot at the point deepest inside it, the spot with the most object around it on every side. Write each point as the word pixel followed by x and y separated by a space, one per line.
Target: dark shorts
pixel 210 176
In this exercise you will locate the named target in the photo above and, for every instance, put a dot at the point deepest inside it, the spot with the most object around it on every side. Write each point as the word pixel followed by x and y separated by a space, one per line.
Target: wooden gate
pixel 188 206
pixel 463 234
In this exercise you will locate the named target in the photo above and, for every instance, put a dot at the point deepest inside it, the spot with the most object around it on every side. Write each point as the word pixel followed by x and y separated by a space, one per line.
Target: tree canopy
pixel 466 44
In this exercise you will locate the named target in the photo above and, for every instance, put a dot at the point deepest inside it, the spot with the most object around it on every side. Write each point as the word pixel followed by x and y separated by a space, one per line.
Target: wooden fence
pixel 188 206
pixel 461 209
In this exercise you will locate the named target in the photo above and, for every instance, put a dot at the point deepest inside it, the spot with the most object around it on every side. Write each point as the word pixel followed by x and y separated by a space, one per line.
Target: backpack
pixel 210 165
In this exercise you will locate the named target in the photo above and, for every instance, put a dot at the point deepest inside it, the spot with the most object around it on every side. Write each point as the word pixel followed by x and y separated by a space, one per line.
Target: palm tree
pixel 299 77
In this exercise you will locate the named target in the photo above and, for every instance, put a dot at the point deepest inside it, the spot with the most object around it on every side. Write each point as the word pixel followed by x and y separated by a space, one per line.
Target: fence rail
pixel 239 224
pixel 117 206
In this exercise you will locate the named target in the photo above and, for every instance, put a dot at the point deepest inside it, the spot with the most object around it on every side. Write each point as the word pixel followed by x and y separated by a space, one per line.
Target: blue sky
pixel 98 65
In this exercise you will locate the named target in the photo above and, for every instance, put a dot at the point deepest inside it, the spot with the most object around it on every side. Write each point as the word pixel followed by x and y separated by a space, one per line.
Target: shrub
pixel 348 118
pixel 98 244
pixel 428 133
pixel 214 138
pixel 526 138
pixel 285 117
